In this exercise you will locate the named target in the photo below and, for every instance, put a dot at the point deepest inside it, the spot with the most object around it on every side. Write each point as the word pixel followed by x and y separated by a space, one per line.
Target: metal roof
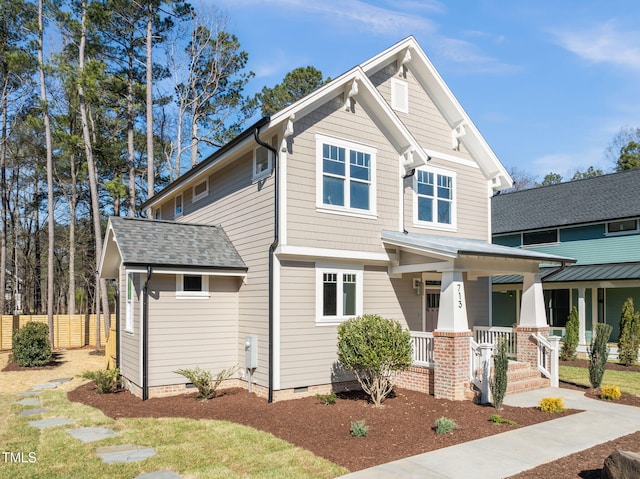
pixel 580 273
pixel 602 198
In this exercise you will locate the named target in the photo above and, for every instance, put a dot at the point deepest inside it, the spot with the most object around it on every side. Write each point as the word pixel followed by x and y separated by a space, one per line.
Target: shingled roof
pixel 143 242
pixel 602 198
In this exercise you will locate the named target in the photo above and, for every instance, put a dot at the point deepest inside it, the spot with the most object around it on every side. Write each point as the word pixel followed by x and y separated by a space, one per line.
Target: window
pixel 192 286
pixel 540 237
pixel 178 206
pixel 399 95
pixel 261 163
pixel 158 214
pixel 434 203
pixel 623 227
pixel 339 293
pixel 128 324
pixel 346 176
pixel 200 190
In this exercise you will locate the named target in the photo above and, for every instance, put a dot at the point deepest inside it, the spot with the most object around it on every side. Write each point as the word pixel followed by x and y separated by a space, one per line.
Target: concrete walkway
pixel 512 452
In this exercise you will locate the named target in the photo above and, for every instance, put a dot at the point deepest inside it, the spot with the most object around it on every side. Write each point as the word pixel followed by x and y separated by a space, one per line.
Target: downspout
pixel 272 249
pixel 145 336
pixel 116 292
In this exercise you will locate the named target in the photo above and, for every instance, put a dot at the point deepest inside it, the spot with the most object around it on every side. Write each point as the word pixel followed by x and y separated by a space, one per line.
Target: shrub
pixel 359 429
pixel 497 420
pixel 373 348
pixel 551 405
pixel 610 393
pixel 571 336
pixel 106 380
pixel 599 353
pixel 500 367
pixel 31 345
pixel 629 340
pixel 327 399
pixel 204 382
pixel 444 425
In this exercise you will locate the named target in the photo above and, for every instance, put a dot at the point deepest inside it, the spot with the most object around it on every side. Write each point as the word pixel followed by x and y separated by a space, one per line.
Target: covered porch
pixel 454 277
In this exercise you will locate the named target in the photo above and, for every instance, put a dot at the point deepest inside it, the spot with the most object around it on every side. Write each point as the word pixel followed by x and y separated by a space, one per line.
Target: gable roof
pixel 602 198
pixel 143 242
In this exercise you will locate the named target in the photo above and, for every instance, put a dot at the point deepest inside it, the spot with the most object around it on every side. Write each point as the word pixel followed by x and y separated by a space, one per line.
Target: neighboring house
pixel 370 195
pixel 595 221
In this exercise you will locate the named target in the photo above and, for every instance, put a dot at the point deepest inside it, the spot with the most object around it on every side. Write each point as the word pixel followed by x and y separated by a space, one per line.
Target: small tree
pixel 598 354
pixel 629 340
pixel 499 380
pixel 571 332
pixel 373 348
pixel 31 345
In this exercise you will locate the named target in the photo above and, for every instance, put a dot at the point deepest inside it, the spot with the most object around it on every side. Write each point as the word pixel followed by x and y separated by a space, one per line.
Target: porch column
pixel 451 341
pixel 533 319
pixel 582 317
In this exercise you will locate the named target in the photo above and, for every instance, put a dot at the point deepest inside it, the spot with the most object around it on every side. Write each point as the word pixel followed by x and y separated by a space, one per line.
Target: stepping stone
pixel 60 380
pixel 56 421
pixel 124 453
pixel 33 411
pixel 44 386
pixel 90 434
pixel 29 393
pixel 29 402
pixel 159 475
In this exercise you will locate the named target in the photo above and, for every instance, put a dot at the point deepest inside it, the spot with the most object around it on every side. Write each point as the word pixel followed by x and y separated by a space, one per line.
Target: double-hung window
pixel 434 198
pixel 338 294
pixel 178 206
pixel 346 176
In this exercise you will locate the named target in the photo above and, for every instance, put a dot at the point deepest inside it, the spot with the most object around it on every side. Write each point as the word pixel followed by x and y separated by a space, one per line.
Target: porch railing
pixel 548 354
pixel 422 350
pixel 493 334
pixel 480 368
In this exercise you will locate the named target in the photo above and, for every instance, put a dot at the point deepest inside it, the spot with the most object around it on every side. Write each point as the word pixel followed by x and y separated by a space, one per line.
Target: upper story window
pixel 434 198
pixel 262 163
pixel 346 176
pixel 400 95
pixel 178 205
pixel 540 237
pixel 200 190
pixel 192 286
pixel 622 227
pixel 338 293
pixel 158 213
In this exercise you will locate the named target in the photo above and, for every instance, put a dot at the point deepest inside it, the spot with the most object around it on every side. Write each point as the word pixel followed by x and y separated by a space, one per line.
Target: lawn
pixel 627 381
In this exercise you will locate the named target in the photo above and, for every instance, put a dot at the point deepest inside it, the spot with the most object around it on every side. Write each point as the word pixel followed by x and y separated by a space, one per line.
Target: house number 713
pixel 459 297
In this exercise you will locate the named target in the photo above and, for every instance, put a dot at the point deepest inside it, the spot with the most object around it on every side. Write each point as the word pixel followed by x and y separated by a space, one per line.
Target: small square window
pixel 192 286
pixel 262 163
pixel 200 190
pixel 192 283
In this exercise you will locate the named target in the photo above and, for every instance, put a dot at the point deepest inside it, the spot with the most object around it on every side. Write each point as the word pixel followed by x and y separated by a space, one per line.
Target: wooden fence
pixel 70 331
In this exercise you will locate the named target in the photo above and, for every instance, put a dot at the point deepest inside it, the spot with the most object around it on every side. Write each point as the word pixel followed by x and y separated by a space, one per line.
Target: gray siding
pixel 130 341
pixel 477 294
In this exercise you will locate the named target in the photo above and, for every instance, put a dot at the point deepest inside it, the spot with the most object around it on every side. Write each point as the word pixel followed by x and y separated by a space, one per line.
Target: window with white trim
pixel 622 227
pixel 434 198
pixel 128 322
pixel 338 293
pixel 262 163
pixel 178 206
pixel 400 95
pixel 200 190
pixel 346 176
pixel 192 286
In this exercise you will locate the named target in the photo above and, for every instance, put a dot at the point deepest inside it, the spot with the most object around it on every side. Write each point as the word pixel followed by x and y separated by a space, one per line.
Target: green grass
pixel 192 448
pixel 628 381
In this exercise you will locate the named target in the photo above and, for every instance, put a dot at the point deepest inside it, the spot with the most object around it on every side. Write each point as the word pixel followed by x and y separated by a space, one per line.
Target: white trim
pixel 339 210
pixel 181 294
pixel 339 254
pixel 451 158
pixel 282 178
pixel 129 303
pixel 257 176
pixel 420 267
pixel 400 95
pixel 454 200
pixel 240 274
pixel 348 146
pixel 196 197
pixel 177 214
pixel 276 323
pixel 339 271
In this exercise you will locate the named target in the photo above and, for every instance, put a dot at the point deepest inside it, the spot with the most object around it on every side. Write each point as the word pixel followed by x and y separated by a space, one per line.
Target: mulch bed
pixel 56 361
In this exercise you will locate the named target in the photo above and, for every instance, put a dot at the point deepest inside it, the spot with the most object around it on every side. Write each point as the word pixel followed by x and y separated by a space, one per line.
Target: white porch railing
pixel 422 348
pixel 548 357
pixel 493 334
pixel 480 368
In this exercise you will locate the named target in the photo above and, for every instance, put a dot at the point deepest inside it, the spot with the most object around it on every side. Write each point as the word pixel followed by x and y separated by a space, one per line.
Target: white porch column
pixel 452 315
pixel 582 316
pixel 532 312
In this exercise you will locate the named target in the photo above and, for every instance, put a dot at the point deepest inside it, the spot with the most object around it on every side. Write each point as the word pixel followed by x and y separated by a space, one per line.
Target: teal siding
pixel 513 241
pixel 612 249
pixel 582 233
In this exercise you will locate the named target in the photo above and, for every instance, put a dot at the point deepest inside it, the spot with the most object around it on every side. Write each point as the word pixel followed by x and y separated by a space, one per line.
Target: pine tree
pixel 598 354
pixel 629 340
pixel 571 336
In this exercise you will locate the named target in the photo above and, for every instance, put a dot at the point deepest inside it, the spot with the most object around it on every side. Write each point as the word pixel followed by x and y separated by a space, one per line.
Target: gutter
pixel 272 249
pixel 145 336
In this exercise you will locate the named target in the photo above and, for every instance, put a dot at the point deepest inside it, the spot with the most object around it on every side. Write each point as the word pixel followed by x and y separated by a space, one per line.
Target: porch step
pixel 523 377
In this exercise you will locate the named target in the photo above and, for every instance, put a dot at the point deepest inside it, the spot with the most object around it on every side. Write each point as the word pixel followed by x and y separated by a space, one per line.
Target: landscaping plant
pixel 497 420
pixel 571 336
pixel 629 340
pixel 444 425
pixel 31 345
pixel 498 383
pixel 374 348
pixel 203 380
pixel 106 380
pixel 610 393
pixel 359 429
pixel 327 399
pixel 599 353
pixel 551 405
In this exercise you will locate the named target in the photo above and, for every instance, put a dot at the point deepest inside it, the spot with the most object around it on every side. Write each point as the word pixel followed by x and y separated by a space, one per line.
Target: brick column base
pixel 527 346
pixel 451 356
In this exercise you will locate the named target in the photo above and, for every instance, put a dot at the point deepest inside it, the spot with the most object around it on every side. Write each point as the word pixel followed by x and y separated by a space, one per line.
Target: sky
pixel 549 83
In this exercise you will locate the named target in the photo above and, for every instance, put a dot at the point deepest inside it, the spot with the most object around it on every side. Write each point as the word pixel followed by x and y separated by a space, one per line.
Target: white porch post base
pixel 452 315
pixel 532 312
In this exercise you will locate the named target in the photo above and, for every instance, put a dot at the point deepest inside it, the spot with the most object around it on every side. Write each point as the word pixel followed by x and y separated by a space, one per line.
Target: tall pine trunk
pixel 149 72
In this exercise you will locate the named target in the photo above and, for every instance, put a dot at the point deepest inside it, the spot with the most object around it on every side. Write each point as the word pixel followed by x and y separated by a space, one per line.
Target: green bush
pixel 499 380
pixel 327 399
pixel 571 336
pixel 497 420
pixel 444 425
pixel 629 340
pixel 106 380
pixel 373 348
pixel 599 353
pixel 31 345
pixel 359 429
pixel 204 382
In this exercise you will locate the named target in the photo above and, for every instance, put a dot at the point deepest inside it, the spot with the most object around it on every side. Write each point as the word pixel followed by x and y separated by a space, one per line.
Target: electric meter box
pixel 251 352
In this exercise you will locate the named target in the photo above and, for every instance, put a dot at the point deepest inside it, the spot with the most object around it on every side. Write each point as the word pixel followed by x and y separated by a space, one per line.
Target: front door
pixel 432 305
